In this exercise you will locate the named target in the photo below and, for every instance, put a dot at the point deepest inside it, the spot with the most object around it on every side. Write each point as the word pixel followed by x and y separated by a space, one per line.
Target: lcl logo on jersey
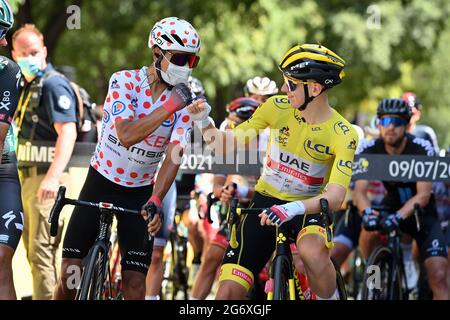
pixel 170 121
pixel 281 100
pixel 345 167
pixel 340 128
pixel 117 108
pixel 316 150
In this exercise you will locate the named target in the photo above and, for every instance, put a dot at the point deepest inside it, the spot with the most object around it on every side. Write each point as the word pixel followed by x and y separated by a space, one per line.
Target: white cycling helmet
pixel 174 34
pixel 196 86
pixel 261 86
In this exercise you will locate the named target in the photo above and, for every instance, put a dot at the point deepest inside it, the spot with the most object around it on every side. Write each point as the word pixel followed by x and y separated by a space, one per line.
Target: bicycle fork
pixel 283 253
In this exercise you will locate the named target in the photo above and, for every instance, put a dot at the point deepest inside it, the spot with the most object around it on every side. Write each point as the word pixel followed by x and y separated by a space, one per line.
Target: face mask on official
pixel 30 67
pixel 175 74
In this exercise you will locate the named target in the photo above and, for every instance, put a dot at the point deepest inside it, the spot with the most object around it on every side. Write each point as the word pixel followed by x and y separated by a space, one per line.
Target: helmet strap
pixel 308 98
pixel 158 69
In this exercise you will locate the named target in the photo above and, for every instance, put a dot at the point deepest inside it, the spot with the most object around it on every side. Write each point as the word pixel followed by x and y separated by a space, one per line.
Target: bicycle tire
pixel 391 288
pixel 89 283
pixel 340 283
pixel 357 273
pixel 282 268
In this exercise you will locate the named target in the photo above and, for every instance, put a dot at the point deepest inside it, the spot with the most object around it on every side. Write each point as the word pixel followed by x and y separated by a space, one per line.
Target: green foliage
pixel 404 48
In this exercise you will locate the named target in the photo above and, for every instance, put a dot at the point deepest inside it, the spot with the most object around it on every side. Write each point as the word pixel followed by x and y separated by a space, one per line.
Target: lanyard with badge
pixel 29 93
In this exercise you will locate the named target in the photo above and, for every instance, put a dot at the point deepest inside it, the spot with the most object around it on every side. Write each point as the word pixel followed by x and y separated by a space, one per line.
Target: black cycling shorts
pixel 430 239
pixel 11 211
pixel 131 229
pixel 348 234
pixel 257 243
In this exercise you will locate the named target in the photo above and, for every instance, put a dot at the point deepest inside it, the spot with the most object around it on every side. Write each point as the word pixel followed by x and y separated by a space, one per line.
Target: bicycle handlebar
pixel 61 201
pixel 56 210
pixel 235 212
pixel 385 211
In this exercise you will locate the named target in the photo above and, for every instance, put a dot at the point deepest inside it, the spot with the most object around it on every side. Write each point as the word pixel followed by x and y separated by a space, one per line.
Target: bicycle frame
pixel 95 274
pixel 394 247
pixel 282 249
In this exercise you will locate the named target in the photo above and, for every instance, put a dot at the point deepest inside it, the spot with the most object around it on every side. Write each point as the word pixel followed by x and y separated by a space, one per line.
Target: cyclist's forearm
pixel 360 198
pixel 4 127
pixel 361 201
pixel 335 196
pixel 168 171
pixel 312 205
pixel 408 208
pixel 221 142
pixel 131 132
pixel 219 183
pixel 64 146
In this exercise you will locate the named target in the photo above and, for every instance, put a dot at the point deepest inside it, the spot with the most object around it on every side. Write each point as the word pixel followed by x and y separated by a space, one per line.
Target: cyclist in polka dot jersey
pixel 131 98
pixel 143 120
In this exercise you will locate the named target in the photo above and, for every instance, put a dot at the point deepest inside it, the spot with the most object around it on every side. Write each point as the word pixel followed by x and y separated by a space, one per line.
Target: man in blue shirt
pixel 46 112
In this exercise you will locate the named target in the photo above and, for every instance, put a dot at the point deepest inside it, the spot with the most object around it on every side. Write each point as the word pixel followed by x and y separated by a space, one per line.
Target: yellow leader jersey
pixel 301 158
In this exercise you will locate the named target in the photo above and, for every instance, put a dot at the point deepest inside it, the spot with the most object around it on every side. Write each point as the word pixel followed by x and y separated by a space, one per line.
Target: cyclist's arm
pixel 131 132
pixel 168 170
pixel 226 141
pixel 9 96
pixel 335 194
pixel 219 183
pixel 422 197
pixel 67 135
pixel 360 195
pixel 130 129
pixel 4 127
pixel 221 142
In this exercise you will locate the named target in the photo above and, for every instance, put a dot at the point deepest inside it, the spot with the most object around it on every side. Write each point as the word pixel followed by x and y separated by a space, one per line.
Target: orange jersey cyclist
pixel 309 156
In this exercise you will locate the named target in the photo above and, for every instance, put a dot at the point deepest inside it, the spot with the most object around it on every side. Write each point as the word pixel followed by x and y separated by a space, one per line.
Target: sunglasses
pixel 181 59
pixel 395 121
pixel 3 32
pixel 292 84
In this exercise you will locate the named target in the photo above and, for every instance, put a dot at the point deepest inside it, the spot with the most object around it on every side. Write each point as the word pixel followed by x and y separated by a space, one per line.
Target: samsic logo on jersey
pixel 317 151
pixel 341 128
pixel 345 167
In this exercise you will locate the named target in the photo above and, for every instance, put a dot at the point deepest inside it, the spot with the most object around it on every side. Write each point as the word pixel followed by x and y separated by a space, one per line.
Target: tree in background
pixel 389 46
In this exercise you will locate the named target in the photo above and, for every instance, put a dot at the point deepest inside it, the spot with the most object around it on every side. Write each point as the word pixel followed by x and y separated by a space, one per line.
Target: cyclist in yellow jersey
pixel 309 157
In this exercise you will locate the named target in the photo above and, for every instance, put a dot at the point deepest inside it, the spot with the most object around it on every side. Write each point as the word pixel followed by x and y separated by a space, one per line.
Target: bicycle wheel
pixel 381 281
pixel 282 275
pixel 340 284
pixel 181 267
pixel 357 274
pixel 93 281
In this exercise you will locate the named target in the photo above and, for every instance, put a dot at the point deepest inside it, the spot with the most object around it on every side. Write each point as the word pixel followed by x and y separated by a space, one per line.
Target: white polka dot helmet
pixel 174 34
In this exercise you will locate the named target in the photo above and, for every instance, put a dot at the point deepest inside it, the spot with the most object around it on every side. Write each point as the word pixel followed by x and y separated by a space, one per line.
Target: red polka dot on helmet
pixel 170 33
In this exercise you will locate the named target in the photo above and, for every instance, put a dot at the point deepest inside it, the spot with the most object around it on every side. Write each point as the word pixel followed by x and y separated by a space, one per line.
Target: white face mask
pixel 176 74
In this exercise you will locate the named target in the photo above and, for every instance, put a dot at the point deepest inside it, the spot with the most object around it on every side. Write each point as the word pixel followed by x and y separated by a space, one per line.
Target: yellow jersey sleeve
pixel 249 130
pixel 341 171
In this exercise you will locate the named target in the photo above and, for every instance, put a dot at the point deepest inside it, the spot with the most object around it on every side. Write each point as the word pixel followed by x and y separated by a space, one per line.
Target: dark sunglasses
pixel 181 59
pixel 3 32
pixel 395 121
pixel 292 85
